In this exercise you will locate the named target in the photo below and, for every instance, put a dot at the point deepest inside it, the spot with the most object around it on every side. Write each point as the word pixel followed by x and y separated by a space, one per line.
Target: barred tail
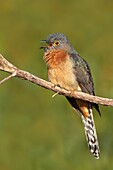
pixel 89 127
pixel 90 132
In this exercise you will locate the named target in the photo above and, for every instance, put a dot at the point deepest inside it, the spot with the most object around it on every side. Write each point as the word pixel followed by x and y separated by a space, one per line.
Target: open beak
pixel 43 46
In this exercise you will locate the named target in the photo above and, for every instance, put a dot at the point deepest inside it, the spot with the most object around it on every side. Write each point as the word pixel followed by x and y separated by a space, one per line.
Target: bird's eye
pixel 56 43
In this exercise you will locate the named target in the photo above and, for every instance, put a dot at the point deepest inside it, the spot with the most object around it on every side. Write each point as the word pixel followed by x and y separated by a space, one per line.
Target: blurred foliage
pixel 38 132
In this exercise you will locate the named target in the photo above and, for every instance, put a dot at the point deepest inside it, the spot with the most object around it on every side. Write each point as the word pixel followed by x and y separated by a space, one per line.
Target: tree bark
pixel 6 66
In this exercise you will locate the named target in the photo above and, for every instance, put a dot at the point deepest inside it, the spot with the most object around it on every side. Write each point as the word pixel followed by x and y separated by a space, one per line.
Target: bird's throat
pixel 55 57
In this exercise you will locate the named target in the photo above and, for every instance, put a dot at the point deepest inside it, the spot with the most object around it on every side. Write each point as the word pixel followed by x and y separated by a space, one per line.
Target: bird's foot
pixel 72 92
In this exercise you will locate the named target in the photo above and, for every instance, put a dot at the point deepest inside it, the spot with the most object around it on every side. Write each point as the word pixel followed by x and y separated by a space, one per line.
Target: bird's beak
pixel 42 40
pixel 43 46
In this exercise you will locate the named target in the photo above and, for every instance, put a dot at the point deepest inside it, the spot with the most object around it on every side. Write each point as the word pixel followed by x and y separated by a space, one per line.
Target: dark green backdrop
pixel 38 132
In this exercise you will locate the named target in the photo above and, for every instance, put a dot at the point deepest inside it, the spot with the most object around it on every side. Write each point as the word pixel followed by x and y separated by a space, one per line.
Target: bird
pixel 66 69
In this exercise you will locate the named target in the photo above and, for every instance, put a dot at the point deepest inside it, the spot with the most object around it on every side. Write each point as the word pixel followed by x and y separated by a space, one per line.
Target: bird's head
pixel 57 41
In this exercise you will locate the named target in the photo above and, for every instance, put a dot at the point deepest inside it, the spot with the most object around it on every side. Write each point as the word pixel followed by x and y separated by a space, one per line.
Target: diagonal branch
pixel 16 72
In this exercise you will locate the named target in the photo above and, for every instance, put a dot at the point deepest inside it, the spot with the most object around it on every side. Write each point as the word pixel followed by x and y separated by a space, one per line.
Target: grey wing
pixel 83 75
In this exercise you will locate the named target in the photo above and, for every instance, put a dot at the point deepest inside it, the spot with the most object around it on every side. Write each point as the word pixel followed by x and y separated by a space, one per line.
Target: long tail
pixel 89 127
pixel 90 132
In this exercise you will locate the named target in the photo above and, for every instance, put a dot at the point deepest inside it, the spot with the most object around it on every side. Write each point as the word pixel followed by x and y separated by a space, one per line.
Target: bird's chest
pixel 60 71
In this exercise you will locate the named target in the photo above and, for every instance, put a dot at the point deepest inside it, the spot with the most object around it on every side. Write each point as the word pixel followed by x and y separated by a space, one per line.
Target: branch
pixel 16 72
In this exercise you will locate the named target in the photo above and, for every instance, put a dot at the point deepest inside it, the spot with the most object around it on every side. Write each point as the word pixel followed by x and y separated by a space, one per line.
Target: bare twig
pixel 55 94
pixel 8 77
pixel 16 72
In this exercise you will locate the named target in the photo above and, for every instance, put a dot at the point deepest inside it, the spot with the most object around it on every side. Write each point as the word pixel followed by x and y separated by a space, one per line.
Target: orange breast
pixel 60 69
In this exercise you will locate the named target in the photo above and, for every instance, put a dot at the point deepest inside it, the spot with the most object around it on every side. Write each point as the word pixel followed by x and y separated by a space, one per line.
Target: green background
pixel 38 132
